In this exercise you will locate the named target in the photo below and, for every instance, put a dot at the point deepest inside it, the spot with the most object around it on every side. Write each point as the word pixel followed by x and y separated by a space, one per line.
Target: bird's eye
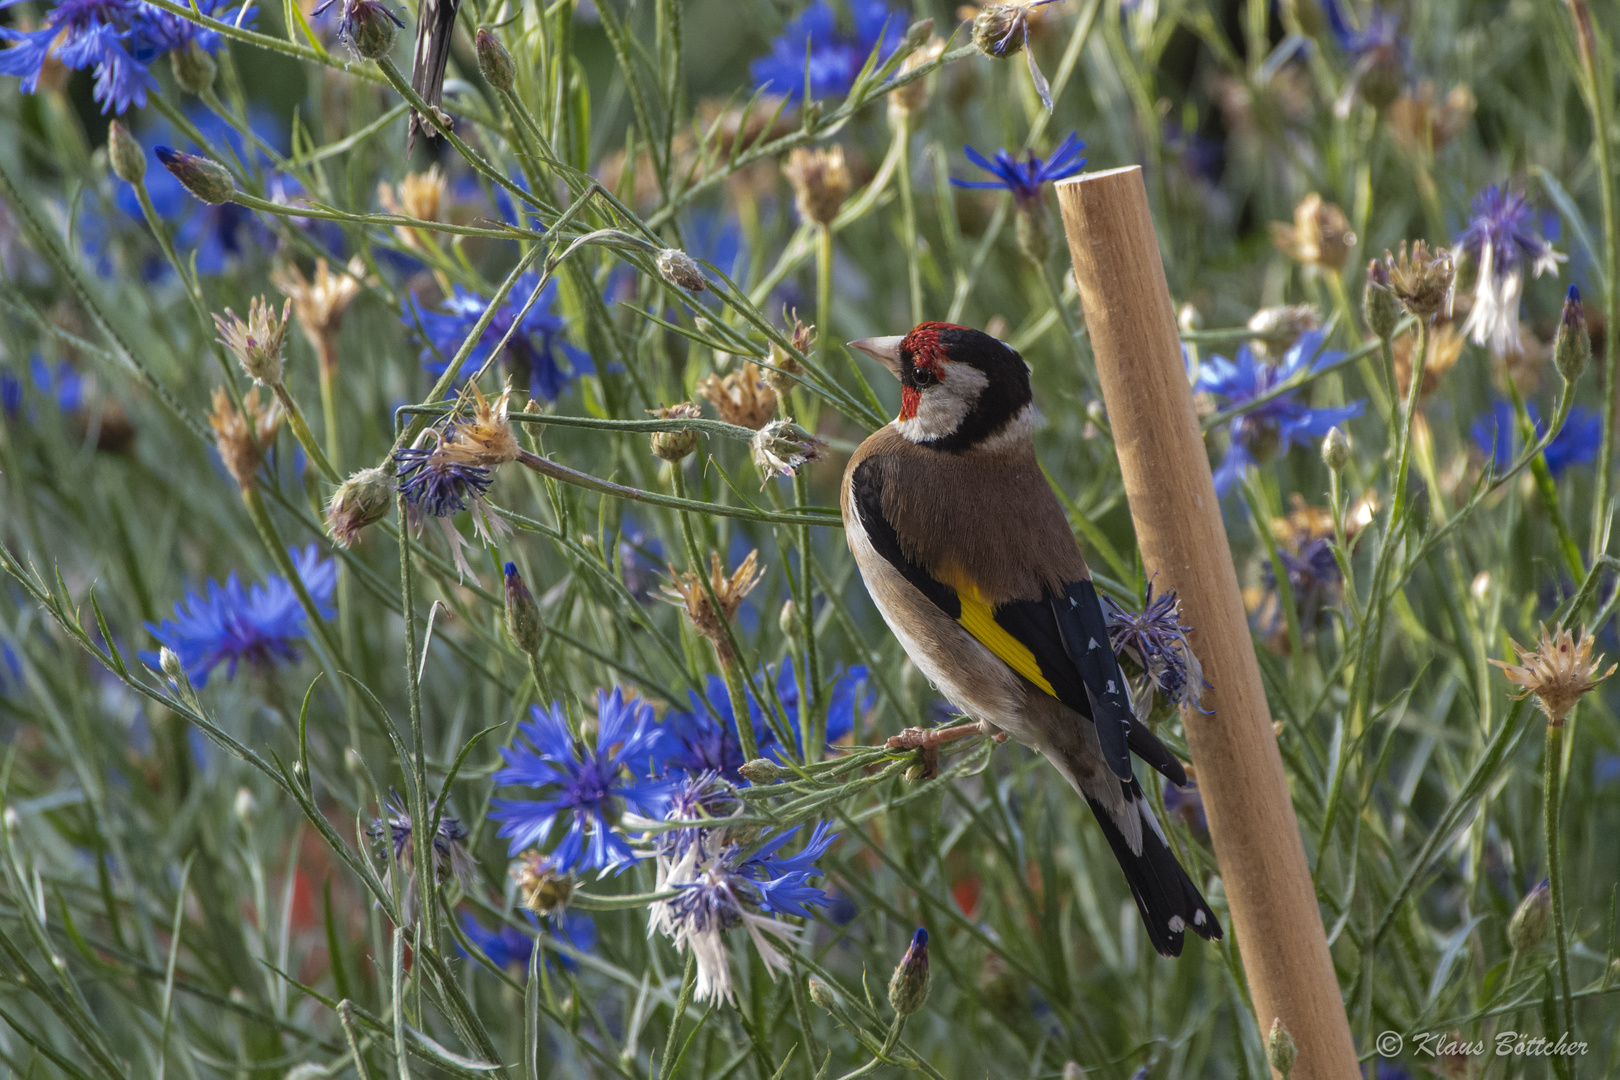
pixel 922 378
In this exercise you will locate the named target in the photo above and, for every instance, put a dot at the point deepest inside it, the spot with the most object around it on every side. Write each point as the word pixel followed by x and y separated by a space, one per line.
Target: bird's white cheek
pixel 943 406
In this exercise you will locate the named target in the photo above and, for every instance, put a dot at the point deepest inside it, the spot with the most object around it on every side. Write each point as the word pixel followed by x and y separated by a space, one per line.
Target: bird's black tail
pixel 1167 898
pixel 436 24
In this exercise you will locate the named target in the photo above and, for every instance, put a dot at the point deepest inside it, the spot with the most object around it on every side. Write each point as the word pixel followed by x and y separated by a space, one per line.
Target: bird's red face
pixel 958 386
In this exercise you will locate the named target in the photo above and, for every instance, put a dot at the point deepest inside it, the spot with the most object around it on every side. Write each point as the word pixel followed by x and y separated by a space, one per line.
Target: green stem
pixel 1597 95
pixel 301 432
pixel 423 853
pixel 901 118
pixel 1552 780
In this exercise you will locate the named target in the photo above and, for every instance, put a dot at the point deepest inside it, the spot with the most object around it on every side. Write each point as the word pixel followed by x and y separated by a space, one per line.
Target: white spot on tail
pixel 1110 686
pixel 1176 925
pixel 1198 918
pixel 1092 644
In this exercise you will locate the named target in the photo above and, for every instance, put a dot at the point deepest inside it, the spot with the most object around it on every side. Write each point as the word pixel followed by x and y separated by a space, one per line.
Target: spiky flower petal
pixel 1559 671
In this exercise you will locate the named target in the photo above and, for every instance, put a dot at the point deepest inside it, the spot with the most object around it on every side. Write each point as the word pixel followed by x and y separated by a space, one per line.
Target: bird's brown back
pixel 985 517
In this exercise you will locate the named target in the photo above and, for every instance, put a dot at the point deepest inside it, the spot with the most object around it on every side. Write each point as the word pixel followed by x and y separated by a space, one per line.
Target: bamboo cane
pixel 1178 527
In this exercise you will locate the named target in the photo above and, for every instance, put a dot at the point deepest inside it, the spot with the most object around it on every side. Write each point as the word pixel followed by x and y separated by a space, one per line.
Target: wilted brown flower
pixel 820 181
pixel 256 342
pixel 1279 327
pixel 913 97
pixel 1305 523
pixel 1558 671
pixel 320 303
pixel 1418 119
pixel 743 397
pixel 785 368
pixel 1422 280
pixel 1445 347
pixel 540 887
pixel 486 438
pixel 419 196
pixel 1320 234
pixel 687 589
pixel 244 437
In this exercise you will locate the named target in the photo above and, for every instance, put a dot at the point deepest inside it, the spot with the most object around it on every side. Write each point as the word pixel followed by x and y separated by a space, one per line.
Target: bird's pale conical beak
pixel 885 350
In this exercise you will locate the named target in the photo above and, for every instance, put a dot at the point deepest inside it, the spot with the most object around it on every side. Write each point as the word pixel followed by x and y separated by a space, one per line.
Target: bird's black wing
pixel 1059 643
pixel 435 24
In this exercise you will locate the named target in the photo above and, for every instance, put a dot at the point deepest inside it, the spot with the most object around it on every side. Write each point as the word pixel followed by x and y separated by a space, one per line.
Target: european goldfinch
pixel 967 554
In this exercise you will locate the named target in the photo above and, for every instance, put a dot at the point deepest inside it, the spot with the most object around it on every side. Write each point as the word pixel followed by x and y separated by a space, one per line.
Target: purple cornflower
pixel 1496 433
pixel 1155 639
pixel 721 886
pixel 259 625
pixel 1026 179
pixel 1379 52
pixel 1314 577
pixel 450 855
pixel 1187 804
pixel 439 485
pixel 1282 421
pixel 1503 235
pixel 590 787
pixel 813 43
pixel 118 38
pixel 531 357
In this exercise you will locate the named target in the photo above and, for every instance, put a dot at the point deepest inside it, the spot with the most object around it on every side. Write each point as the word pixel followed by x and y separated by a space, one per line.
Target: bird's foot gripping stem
pixel 929 740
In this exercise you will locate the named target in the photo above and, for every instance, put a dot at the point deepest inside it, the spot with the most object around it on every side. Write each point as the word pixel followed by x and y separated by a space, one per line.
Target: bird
pixel 435 24
pixel 967 554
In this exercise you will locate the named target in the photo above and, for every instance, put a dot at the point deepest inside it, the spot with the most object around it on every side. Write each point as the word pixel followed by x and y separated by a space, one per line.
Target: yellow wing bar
pixel 978 618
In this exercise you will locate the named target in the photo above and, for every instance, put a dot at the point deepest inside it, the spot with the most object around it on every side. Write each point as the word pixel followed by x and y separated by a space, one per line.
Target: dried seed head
pixel 675 445
pixel 781 446
pixel 420 196
pixel 540 887
pixel 126 153
pixel 320 302
pixel 494 62
pixel 486 438
pixel 206 179
pixel 785 367
pixel 687 589
pixel 257 341
pixel 1320 234
pixel 244 437
pixel 681 270
pixel 820 181
pixel 1422 280
pixel 742 398
pixel 1279 327
pixel 1558 671
pixel 361 500
pixel 913 97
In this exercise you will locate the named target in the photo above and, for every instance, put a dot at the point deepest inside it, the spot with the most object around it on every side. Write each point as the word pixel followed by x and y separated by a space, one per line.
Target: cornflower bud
pixel 369 27
pixel 194 69
pixel 1073 1071
pixel 1336 448
pixel 788 617
pixel 908 986
pixel 494 62
pixel 246 808
pixel 361 500
pixel 763 771
pixel 913 97
pixel 681 270
pixel 169 661
pixel 675 445
pixel 1281 1053
pixel 522 613
pixel 204 178
pixel 257 341
pixel 1572 348
pixel 127 155
pixel 1378 304
pixel 1528 927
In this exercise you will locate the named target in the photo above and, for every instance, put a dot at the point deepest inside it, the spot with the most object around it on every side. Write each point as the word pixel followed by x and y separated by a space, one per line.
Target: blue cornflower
pixel 531 356
pixel 1155 639
pixel 259 625
pixel 1283 421
pixel 1496 433
pixel 1503 234
pixel 118 38
pixel 1187 804
pixel 438 482
pixel 1606 771
pixel 722 885
pixel 354 13
pixel 1381 33
pixel 1026 179
pixel 590 787
pixel 842 695
pixel 834 58
pixel 510 946
pixel 11 393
